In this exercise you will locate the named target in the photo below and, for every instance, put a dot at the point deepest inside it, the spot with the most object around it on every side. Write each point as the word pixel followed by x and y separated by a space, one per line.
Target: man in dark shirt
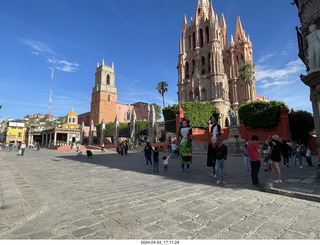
pixel 221 152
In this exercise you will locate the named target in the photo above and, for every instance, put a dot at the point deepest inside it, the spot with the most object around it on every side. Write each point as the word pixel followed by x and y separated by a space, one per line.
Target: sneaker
pixel 224 182
pixel 214 176
pixel 218 182
pixel 277 181
pixel 181 170
pixel 301 166
pixel 189 169
pixel 211 175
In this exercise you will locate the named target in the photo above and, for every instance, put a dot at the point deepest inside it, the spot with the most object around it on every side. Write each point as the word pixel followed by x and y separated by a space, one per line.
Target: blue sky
pixel 141 37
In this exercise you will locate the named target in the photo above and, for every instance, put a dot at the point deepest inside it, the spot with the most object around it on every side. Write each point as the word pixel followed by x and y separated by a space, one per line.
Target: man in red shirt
pixel 254 152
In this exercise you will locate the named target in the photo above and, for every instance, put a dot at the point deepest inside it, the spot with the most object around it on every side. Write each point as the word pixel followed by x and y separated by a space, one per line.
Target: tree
pixel 301 124
pixel 157 109
pixel 162 87
pixel 247 73
pixel 258 114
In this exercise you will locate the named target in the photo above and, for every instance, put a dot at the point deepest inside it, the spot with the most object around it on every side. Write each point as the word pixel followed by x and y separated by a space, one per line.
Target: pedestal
pixel 234 141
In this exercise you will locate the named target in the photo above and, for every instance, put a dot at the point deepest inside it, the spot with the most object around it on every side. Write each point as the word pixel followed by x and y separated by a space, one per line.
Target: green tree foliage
pixel 169 116
pixel 259 114
pixel 301 124
pixel 157 109
pixel 198 113
pixel 162 87
pixel 124 128
pixel 247 73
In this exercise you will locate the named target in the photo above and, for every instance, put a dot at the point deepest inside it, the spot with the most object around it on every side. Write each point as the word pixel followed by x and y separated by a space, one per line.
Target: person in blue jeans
pixel 221 152
pixel 156 160
pixel 147 153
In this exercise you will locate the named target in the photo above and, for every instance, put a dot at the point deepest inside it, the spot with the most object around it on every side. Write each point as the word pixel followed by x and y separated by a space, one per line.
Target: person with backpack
pixel 215 133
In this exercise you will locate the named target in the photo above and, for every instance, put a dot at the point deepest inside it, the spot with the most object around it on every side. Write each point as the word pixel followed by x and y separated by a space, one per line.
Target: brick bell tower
pixel 104 95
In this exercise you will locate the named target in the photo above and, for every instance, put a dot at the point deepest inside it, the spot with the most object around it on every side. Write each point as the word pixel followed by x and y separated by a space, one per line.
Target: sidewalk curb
pixel 268 187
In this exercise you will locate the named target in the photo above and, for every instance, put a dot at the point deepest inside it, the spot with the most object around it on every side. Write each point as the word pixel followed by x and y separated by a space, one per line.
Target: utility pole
pixel 50 99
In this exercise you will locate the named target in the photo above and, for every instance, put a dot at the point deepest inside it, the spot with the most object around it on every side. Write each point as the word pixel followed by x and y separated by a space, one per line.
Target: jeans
pixel 173 154
pixel 223 165
pixel 246 163
pixel 255 167
pixel 22 151
pixel 155 167
pixel 182 166
pixel 148 158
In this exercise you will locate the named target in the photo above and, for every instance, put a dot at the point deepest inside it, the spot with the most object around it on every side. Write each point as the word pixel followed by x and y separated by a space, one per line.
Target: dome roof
pixel 72 114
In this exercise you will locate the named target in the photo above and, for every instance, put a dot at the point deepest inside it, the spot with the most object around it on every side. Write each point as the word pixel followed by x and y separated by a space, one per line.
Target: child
pixel 308 156
pixel 165 163
pixel 156 161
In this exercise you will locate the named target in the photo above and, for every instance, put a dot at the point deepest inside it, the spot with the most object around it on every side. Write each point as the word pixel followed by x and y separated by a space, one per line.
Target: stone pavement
pixel 53 195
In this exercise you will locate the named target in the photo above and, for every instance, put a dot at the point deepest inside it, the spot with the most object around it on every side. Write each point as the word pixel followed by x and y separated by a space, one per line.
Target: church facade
pixel 208 66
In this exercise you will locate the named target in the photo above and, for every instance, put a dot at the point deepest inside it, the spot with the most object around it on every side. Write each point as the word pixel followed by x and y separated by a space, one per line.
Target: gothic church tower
pixel 104 95
pixel 207 69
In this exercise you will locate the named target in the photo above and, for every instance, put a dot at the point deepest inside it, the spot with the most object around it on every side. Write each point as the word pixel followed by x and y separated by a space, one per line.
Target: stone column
pixel 133 122
pixel 102 132
pixel 116 131
pixel 68 138
pixel 91 133
pixel 42 139
pixel 55 138
pixel 82 133
pixel 50 139
pixel 152 124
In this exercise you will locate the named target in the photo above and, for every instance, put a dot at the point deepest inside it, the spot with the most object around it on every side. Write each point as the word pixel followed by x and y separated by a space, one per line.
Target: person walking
pixel 215 133
pixel 254 152
pixel 102 148
pixel 173 150
pixel 275 156
pixel 246 158
pixel 286 152
pixel 22 148
pixel 308 156
pixel 147 153
pixel 221 152
pixel 156 160
pixel 266 156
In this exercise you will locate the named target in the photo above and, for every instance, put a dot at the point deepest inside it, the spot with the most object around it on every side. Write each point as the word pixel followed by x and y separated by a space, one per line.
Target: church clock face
pixel 108 88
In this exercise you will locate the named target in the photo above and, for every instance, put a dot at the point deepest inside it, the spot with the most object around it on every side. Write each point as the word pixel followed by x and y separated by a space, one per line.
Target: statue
pixel 314 47
pixel 233 119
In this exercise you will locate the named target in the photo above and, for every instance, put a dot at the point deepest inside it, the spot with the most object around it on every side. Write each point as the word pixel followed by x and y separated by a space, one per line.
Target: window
pixel 209 62
pixel 203 65
pixel 187 70
pixel 193 66
pixel 189 47
pixel 201 38
pixel 73 120
pixel 128 115
pixel 108 97
pixel 194 41
pixel 19 134
pixel 108 79
pixel 190 96
pixel 207 34
pixel 203 94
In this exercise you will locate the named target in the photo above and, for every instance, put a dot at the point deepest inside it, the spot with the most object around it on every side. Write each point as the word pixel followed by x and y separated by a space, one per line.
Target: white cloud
pixel 66 66
pixel 266 57
pixel 275 76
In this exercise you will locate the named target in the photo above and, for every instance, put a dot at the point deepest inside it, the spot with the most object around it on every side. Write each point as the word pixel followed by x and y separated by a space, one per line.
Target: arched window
pixel 203 65
pixel 128 115
pixel 207 34
pixel 190 96
pixel 196 93
pixel 209 62
pixel 194 41
pixel 203 94
pixel 193 66
pixel 108 97
pixel 187 70
pixel 108 79
pixel 201 38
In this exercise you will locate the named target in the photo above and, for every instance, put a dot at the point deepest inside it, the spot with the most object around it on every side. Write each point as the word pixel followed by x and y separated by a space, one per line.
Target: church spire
pixel 202 10
pixel 185 24
pixel 239 30
pixel 223 24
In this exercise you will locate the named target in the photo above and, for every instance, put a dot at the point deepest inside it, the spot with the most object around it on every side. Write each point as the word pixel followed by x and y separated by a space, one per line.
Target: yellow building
pixel 15 132
pixel 72 120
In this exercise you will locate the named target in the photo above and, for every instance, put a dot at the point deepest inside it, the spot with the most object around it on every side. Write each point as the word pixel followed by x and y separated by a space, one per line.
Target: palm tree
pixel 247 73
pixel 162 87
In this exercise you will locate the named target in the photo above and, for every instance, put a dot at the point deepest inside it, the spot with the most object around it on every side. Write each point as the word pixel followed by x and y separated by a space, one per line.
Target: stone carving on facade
pixel 314 48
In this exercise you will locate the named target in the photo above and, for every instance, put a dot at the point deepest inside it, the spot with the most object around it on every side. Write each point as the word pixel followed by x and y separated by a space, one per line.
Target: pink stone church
pixel 209 64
